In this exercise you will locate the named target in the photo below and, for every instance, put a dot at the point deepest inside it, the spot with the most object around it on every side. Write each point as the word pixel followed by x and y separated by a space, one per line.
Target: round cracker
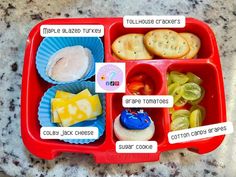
pixel 194 43
pixel 166 43
pixel 130 47
pixel 116 57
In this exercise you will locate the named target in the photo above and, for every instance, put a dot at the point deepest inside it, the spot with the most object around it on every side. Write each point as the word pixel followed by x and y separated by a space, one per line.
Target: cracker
pixel 166 43
pixel 130 47
pixel 115 56
pixel 194 43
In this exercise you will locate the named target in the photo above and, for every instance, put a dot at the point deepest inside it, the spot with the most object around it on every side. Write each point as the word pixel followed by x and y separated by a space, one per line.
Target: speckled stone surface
pixel 18 17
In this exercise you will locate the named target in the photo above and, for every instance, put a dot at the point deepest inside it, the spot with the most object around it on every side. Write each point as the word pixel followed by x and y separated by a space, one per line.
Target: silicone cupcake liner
pixel 51 45
pixel 44 111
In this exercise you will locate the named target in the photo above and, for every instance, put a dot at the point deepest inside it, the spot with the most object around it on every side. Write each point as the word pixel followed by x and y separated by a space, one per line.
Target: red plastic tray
pixel 207 66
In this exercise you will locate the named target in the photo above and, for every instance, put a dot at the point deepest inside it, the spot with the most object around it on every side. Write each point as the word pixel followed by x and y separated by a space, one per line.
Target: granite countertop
pixel 18 17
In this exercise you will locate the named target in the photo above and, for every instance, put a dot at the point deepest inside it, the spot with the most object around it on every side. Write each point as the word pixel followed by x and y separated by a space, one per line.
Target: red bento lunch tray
pixel 207 66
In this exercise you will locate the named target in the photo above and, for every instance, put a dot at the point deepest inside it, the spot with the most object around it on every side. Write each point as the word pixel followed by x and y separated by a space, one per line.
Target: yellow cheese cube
pixel 83 94
pixel 78 110
pixel 63 94
pixel 56 103
pixel 61 99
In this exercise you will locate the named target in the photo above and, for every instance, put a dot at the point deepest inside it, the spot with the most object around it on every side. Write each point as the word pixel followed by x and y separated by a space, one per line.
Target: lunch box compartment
pixel 198 28
pixel 156 114
pixel 150 71
pixel 208 73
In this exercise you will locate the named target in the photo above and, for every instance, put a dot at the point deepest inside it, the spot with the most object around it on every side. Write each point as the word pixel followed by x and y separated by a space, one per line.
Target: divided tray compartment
pixel 207 66
pixel 212 102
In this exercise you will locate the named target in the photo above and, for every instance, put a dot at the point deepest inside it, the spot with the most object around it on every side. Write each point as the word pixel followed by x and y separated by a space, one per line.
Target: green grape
pixel 180 113
pixel 191 91
pixel 171 110
pixel 175 90
pixel 181 102
pixel 178 77
pixel 202 109
pixel 172 87
pixel 194 78
pixel 179 124
pixel 195 118
pixel 177 93
pixel 195 102
pixel 168 79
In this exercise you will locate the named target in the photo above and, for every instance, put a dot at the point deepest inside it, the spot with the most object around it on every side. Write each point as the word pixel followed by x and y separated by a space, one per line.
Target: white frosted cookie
pixel 130 47
pixel 166 43
pixel 69 63
pixel 124 134
pixel 194 43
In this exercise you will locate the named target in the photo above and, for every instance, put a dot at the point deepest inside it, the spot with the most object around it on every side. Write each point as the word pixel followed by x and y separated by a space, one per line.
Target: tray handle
pixel 113 157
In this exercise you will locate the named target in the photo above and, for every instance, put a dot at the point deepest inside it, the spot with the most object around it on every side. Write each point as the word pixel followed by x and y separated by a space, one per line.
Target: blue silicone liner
pixel 51 45
pixel 44 110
